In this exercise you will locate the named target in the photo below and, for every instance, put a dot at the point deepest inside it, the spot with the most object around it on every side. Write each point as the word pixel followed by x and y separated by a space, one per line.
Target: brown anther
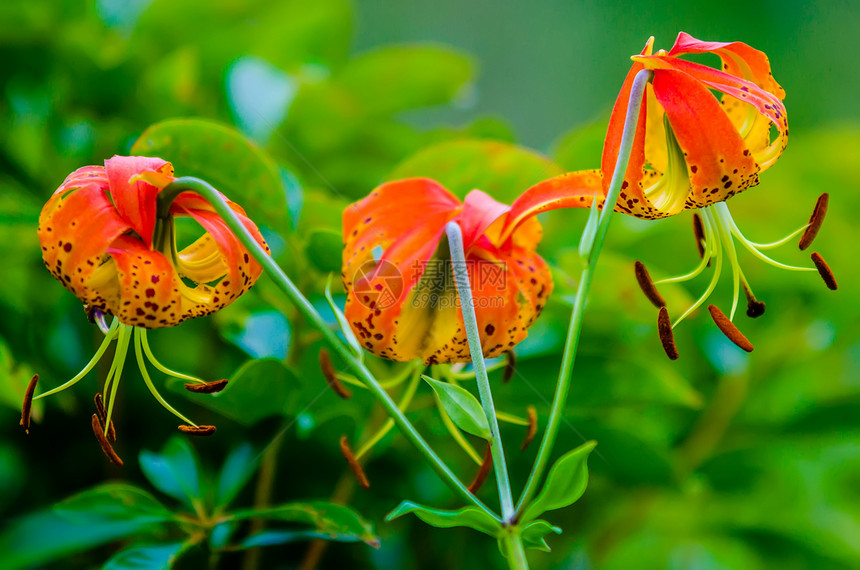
pixel 27 406
pixel 647 285
pixel 699 233
pixel 91 313
pixel 510 366
pixel 98 430
pixel 531 430
pixel 824 271
pixel 352 461
pixel 729 329
pixel 100 408
pixel 755 308
pixel 664 329
pixel 483 470
pixel 331 376
pixel 815 221
pixel 197 430
pixel 206 387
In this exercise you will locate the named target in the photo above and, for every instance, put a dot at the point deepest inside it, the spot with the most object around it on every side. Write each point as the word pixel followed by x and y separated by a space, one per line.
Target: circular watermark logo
pixel 378 285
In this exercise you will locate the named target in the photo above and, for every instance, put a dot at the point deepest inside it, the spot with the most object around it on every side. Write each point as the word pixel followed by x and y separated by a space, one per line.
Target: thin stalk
pixel 571 344
pixel 307 310
pixel 467 307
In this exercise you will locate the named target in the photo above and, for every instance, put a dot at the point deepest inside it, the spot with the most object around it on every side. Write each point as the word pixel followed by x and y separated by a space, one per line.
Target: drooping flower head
pixel 703 135
pixel 109 237
pixel 103 239
pixel 693 149
pixel 401 302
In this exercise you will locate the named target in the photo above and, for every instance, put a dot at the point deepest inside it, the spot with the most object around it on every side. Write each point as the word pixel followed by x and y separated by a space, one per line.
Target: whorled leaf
pixel 462 407
pixel 534 534
pixel 470 517
pixel 565 483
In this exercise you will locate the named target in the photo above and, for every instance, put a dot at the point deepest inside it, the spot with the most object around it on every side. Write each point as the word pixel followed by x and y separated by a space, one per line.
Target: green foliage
pixel 503 170
pixel 470 517
pixel 564 485
pixel 462 407
pixel 114 510
pixel 224 158
pixel 717 460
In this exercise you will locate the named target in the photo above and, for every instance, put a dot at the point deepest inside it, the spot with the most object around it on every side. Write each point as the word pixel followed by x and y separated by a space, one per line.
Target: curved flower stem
pixel 307 310
pixel 590 259
pixel 467 308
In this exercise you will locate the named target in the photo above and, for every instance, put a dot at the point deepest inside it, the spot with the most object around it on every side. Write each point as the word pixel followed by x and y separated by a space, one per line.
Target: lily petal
pixel 135 201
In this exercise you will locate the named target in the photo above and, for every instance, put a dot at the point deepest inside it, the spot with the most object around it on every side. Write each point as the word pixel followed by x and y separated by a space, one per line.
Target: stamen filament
pixel 723 227
pixel 708 253
pixel 511 419
pixel 144 343
pixel 751 247
pixel 90 365
pixel 707 216
pixel 115 374
pixel 783 241
pixel 148 381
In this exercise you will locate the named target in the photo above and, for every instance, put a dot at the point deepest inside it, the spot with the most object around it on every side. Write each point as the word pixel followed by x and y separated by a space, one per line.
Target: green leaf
pixel 565 484
pixel 534 534
pixel 45 536
pixel 397 78
pixel 145 557
pixel 464 409
pixel 336 522
pixel 470 517
pixel 114 503
pixel 174 471
pixel 224 158
pixel 503 170
pixel 235 473
pixel 258 389
pixel 324 249
pixel 274 537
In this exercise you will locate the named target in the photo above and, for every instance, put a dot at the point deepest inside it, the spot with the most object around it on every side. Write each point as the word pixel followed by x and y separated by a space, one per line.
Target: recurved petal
pixel 571 190
pixel 75 228
pixel 148 286
pixel 480 210
pixel 764 101
pixel 738 59
pixel 241 270
pixel 718 162
pixel 136 201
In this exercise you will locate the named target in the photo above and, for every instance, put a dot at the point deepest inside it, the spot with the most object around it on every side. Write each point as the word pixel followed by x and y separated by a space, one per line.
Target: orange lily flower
pixel 694 150
pixel 98 237
pixel 104 238
pixel 401 302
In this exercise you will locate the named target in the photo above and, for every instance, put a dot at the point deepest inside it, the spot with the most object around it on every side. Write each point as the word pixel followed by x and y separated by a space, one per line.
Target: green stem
pixel 515 552
pixel 467 308
pixel 590 259
pixel 307 310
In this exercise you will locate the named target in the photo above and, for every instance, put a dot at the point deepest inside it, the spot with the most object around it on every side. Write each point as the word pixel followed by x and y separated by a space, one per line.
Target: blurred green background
pixel 718 460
